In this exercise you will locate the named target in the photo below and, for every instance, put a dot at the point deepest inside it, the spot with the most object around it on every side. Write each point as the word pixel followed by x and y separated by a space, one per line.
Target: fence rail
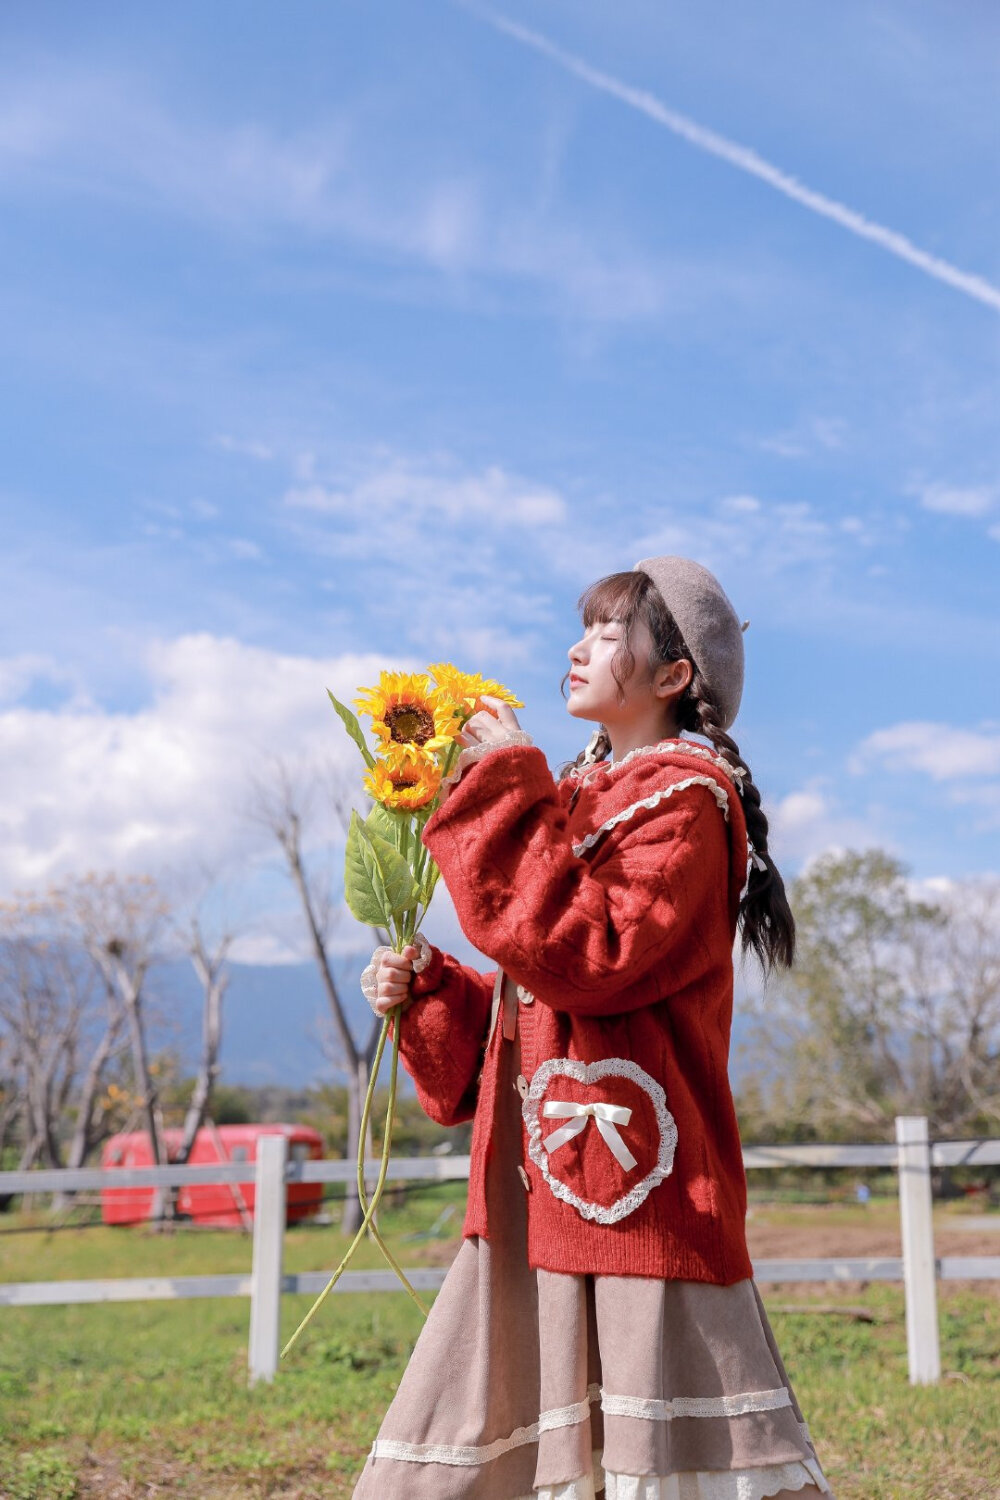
pixel 913 1156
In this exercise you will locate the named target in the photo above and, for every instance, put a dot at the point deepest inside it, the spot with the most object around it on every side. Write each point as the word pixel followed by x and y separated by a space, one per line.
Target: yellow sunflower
pixel 406 710
pixel 402 782
pixel 468 688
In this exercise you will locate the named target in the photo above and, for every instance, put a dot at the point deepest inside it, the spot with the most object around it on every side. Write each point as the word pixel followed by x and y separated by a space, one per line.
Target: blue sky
pixel 359 335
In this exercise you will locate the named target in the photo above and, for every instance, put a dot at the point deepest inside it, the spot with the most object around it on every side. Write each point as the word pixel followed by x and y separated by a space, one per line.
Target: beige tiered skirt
pixel 537 1385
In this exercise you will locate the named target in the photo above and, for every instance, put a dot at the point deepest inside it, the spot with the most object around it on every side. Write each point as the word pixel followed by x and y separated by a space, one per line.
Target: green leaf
pixel 364 887
pixel 397 877
pixel 432 875
pixel 378 882
pixel 388 825
pixel 353 728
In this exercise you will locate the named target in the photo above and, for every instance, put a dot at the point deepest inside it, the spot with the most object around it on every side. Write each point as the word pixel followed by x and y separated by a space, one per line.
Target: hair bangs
pixel 614 597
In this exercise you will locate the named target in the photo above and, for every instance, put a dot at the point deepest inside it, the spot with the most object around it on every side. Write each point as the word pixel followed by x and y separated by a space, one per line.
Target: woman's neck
pixel 625 738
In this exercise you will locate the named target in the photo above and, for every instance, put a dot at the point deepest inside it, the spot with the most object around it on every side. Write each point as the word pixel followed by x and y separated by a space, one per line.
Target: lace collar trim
pixel 685 747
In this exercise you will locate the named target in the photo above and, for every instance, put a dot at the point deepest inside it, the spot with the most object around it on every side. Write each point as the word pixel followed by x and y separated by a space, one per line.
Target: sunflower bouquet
pixel 389 877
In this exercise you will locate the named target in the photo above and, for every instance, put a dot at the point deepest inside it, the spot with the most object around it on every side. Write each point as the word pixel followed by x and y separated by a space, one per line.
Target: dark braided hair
pixel 767 926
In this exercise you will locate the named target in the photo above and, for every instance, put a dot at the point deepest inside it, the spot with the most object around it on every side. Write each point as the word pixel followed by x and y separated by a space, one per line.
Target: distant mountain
pixel 274 1018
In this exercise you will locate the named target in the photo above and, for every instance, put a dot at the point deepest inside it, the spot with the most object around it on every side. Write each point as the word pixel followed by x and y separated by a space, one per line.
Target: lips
pixel 576 678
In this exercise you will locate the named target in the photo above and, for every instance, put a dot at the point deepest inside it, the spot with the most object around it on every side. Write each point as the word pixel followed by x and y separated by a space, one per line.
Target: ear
pixel 673 677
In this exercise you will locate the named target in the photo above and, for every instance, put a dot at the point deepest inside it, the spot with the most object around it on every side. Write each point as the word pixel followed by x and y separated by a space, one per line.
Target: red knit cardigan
pixel 614 914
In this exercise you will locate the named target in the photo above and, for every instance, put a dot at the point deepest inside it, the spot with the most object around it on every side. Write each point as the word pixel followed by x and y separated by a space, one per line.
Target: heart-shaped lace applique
pixel 612 1138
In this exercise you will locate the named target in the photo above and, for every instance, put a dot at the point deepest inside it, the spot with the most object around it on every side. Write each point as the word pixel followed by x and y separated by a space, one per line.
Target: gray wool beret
pixel 708 622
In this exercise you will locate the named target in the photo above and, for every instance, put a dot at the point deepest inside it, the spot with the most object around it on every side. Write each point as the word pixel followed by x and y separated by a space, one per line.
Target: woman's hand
pixel 487 725
pixel 392 980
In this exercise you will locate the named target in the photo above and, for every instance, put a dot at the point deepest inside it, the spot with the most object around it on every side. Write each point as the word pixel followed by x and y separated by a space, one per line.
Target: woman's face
pixel 593 691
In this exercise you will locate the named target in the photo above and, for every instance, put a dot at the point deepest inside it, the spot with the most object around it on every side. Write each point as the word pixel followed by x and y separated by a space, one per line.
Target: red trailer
pixel 221 1203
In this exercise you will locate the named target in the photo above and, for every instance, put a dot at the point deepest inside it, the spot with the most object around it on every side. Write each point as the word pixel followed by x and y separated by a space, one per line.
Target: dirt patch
pixel 100 1477
pixel 801 1234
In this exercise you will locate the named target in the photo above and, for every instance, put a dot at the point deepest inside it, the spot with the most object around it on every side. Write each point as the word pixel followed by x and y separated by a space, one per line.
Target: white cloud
pixel 807 823
pixel 937 750
pixel 88 788
pixel 247 551
pixel 746 160
pixel 449 227
pixel 812 433
pixel 829 432
pixel 247 447
pixel 496 549
pixel 426 494
pixel 17 673
pixel 973 501
pixel 109 136
pixel 266 948
pixel 783 446
pixel 28 129
pixel 742 532
pixel 965 762
pixel 465 562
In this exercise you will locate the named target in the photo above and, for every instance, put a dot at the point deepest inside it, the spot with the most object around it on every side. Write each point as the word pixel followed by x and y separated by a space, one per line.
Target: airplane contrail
pixel 746 160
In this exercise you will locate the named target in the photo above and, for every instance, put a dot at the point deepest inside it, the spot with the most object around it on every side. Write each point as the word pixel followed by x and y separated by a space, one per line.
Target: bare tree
pixel 90 1126
pixel 954 1011
pixel 121 922
pixel 209 962
pixel 42 1017
pixel 893 1006
pixel 10 1093
pixel 61 1029
pixel 284 806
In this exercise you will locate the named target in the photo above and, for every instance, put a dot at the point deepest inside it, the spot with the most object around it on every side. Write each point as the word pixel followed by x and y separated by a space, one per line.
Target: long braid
pixel 766 920
pixel 598 748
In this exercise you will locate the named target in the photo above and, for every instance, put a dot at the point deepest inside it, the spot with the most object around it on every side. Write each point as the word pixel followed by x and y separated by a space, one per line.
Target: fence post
pixel 269 1212
pixel 918 1249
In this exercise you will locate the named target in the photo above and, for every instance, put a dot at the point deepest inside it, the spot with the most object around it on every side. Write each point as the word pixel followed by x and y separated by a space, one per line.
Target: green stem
pixel 369 1209
pixel 373 1228
pixel 423 854
pixel 366 1112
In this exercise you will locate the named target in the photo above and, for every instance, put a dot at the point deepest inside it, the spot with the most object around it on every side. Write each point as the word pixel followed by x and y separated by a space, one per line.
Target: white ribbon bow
pixel 607 1116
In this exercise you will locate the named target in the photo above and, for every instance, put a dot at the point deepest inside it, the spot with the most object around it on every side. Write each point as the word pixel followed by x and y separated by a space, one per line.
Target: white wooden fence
pixel 913 1156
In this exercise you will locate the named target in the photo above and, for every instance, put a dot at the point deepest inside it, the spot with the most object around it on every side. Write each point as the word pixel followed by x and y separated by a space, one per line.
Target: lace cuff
pixel 369 975
pixel 471 753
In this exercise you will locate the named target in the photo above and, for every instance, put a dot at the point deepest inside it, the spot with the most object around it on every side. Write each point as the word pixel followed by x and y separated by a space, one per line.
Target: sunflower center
pixel 409 724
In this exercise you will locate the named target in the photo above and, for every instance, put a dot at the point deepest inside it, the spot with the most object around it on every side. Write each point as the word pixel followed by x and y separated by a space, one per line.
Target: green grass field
pixel 150 1399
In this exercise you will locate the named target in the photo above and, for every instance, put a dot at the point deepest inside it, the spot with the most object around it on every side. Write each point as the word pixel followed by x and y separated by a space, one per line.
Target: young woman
pixel 600 1328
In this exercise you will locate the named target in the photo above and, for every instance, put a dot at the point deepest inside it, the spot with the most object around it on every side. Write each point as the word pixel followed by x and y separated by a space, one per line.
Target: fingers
pixel 483 722
pixel 503 711
pixel 383 1005
pixel 393 980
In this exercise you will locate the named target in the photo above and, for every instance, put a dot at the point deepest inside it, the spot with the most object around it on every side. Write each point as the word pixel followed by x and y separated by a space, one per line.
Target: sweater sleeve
pixel 599 933
pixel 442 1036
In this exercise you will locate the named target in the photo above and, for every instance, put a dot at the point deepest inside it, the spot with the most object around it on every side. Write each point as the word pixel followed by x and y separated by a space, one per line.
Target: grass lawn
pixel 150 1399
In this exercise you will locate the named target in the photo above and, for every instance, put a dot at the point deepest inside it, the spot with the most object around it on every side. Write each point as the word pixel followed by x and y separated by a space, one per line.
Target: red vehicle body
pixel 215 1202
